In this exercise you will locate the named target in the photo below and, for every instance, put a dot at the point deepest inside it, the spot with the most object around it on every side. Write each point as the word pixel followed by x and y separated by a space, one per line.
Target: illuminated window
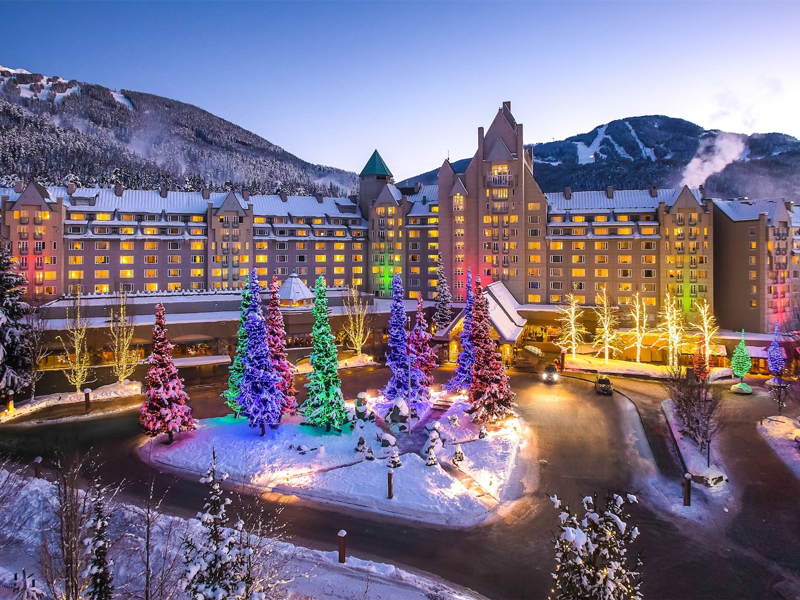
pixel 126 273
pixel 75 260
pixel 150 273
pixel 101 274
pixel 601 272
pixel 579 272
pixel 101 288
pixel 151 245
pixel 151 287
pixel 103 217
pixel 458 202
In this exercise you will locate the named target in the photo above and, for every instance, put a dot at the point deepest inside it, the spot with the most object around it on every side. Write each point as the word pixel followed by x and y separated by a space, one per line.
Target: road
pixel 584 439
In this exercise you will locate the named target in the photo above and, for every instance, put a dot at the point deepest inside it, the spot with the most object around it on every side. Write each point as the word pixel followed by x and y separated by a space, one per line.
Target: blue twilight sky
pixel 330 81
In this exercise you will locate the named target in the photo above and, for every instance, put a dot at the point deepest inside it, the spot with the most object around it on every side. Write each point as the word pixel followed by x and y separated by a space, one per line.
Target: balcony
pixel 38 236
pixel 500 180
pixel 226 250
pixel 37 250
pixel 24 220
pixel 23 236
pixel 235 238
pixel 225 238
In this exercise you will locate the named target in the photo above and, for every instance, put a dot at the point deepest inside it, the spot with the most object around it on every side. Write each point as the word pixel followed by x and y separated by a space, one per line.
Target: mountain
pixel 61 131
pixel 637 152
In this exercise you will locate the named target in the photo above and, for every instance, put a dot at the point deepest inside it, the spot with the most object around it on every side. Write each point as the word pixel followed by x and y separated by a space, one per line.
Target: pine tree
pixel 260 395
pixel 15 358
pixel 741 363
pixel 236 370
pixel 325 404
pixel 700 361
pixel 406 382
pixel 490 394
pixel 98 571
pixel 276 340
pixel 419 343
pixel 592 558
pixel 444 299
pixel 462 377
pixel 775 360
pixel 211 558
pixel 165 410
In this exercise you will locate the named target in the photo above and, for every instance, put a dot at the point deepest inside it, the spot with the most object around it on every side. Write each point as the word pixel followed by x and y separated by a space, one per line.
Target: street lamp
pixel 777 389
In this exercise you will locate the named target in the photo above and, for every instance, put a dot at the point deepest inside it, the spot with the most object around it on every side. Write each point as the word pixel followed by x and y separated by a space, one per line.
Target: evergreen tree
pixel 276 340
pixel 165 410
pixel 406 382
pixel 490 394
pixel 462 377
pixel 260 394
pixel 741 363
pixel 444 299
pixel 236 370
pixel 98 570
pixel 424 356
pixel 15 356
pixel 212 557
pixel 775 360
pixel 325 404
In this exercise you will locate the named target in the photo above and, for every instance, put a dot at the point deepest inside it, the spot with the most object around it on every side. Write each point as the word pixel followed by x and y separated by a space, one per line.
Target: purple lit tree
pixel 165 410
pixel 276 340
pixel 424 356
pixel 462 377
pixel 775 360
pixel 398 358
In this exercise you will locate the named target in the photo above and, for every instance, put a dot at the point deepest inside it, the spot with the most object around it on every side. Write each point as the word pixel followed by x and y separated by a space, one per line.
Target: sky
pixel 331 81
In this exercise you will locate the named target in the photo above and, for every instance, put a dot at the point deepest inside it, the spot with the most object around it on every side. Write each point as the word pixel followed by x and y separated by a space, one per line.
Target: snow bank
pixel 780 433
pixel 696 461
pixel 362 360
pixel 106 392
pixel 629 368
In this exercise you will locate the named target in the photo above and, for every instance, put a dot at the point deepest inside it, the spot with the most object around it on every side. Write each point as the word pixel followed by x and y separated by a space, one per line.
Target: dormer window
pixel 103 216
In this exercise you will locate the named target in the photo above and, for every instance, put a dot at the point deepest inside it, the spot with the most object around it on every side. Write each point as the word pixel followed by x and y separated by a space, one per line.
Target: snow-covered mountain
pixel 656 150
pixel 58 130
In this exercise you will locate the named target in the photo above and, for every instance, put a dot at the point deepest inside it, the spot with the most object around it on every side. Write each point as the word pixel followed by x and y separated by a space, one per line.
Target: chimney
pixel 507 105
pixel 653 191
pixel 610 192
pixel 71 189
pixel 163 190
pixel 284 197
pixel 702 189
pixel 18 187
pixel 567 193
pixel 206 193
pixel 118 189
pixel 245 195
pixel 417 187
pixel 319 198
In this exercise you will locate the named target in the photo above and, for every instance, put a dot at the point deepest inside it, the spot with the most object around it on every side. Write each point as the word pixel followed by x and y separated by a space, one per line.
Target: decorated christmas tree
pixel 325 405
pixel 406 382
pixel 775 360
pixel 444 299
pixel 490 394
pixel 462 377
pixel 15 357
pixel 276 340
pixel 419 343
pixel 165 410
pixel 231 395
pixel 260 396
pixel 700 363
pixel 741 363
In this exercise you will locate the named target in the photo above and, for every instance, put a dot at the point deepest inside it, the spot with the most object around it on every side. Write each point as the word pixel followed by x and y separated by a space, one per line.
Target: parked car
pixel 550 374
pixel 602 385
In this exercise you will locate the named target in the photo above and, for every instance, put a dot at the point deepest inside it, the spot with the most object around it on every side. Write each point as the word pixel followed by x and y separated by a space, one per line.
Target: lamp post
pixel 777 389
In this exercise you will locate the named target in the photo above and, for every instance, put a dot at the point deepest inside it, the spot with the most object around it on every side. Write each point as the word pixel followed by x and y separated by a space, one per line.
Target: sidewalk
pixel 77 411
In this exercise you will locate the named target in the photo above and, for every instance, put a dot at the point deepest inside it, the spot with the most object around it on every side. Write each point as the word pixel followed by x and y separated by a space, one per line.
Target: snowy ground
pixel 780 433
pixel 310 463
pixel 632 369
pixel 696 461
pixel 309 573
pixel 106 392
pixel 362 360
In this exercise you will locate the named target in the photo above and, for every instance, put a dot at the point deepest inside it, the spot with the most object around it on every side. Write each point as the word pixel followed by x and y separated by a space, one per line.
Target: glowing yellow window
pixel 150 230
pixel 103 216
pixel 151 273
pixel 126 274
pixel 216 272
pixel 76 274
pixel 338 246
pixel 126 260
pixel 261 258
pixel 151 287
pixel 320 258
pixel 126 245
pixel 198 272
pixel 601 272
pixel 338 258
pixel 358 281
pixel 174 286
pixel 579 272
pixel 151 245
pixel 101 274
pixel 76 260
pixel 556 245
pixel 338 270
pixel 101 288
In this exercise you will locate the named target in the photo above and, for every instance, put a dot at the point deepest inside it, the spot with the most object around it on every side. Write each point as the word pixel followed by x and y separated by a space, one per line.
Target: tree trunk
pixel 171 437
pixel 263 430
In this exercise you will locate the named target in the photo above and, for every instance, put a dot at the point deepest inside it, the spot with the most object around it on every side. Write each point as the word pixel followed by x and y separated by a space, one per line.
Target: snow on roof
pixel 302 206
pixel 744 209
pixel 294 290
pixel 629 200
pixel 429 193
pixel 503 311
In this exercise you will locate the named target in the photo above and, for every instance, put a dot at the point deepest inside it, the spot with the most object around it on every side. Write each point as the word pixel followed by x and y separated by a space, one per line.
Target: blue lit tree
pixel 406 381
pixel 462 377
pixel 325 405
pixel 260 394
pixel 775 360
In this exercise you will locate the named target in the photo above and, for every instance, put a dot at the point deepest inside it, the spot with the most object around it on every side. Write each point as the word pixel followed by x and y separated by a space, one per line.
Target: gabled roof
pixel 503 315
pixel 458 188
pixel 231 203
pixel 389 195
pixel 629 200
pixel 34 194
pixel 500 152
pixel 375 166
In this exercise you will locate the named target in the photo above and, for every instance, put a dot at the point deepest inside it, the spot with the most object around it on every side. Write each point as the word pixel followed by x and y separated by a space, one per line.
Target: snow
pixel 780 433
pixel 646 152
pixel 629 368
pixel 197 361
pixel 696 461
pixel 362 360
pixel 122 99
pixel 106 392
pixel 586 153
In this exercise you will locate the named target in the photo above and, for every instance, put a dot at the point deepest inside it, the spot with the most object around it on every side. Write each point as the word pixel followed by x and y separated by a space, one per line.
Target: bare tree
pixel 705 329
pixel 696 405
pixel 359 319
pixel 120 330
pixel 639 325
pixel 569 315
pixel 672 328
pixel 76 350
pixel 37 349
pixel 15 516
pixel 607 338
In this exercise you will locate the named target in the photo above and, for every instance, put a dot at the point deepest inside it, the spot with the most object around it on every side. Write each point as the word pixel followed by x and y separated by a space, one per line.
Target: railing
pixel 24 220
pixel 23 236
pixel 500 180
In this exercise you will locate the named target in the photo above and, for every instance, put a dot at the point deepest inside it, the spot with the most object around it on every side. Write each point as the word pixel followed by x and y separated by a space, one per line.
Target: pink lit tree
pixel 276 339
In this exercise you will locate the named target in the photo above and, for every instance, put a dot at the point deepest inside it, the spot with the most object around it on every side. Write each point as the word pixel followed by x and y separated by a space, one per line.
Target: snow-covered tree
pixel 165 410
pixel 25 588
pixel 637 333
pixel 592 552
pixel 276 340
pixel 672 328
pixel 325 404
pixel 407 381
pixel 775 359
pixel 490 395
pixel 741 363
pixel 462 376
pixel 260 395
pixel 421 351
pixel 231 395
pixel 98 570
pixel 211 558
pixel 607 337
pixel 444 299
pixel 569 316
pixel 15 354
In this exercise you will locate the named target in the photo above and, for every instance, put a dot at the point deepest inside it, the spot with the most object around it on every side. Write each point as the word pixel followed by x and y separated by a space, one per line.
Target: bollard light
pixel 342 545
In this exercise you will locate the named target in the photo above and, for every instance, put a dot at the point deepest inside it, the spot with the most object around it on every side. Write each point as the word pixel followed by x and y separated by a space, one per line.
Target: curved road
pixel 583 437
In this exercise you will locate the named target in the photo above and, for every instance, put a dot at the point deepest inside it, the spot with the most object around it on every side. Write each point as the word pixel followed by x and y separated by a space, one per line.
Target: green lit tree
pixel 325 404
pixel 741 362
pixel 236 371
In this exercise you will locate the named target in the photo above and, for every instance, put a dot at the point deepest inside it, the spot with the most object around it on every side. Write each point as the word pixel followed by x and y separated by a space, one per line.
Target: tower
pixel 373 178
